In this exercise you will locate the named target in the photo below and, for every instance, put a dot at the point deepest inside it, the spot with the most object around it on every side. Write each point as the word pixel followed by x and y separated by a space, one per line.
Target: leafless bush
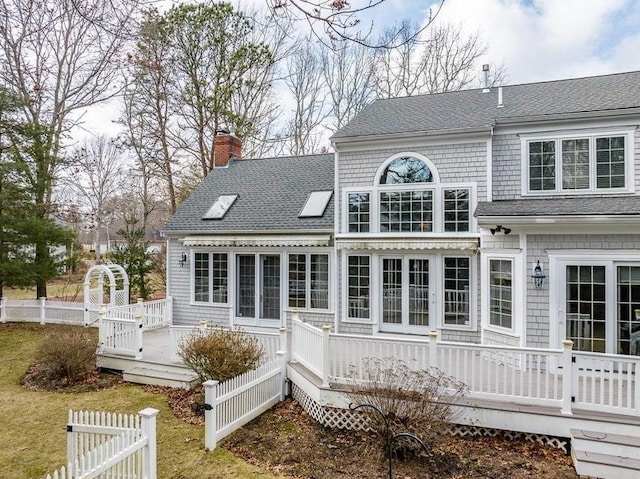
pixel 418 402
pixel 221 354
pixel 67 355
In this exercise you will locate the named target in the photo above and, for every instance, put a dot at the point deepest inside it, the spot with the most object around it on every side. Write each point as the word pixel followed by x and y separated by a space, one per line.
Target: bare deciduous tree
pixel 445 60
pixel 59 57
pixel 94 177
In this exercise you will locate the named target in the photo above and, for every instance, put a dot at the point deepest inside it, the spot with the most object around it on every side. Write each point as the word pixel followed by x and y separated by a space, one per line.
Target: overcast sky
pixel 542 39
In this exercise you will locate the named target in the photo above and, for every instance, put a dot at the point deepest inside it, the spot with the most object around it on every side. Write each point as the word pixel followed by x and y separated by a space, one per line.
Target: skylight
pixel 316 204
pixel 220 207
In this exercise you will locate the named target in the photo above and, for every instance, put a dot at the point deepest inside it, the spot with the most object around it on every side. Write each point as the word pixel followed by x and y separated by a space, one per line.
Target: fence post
pixel 567 376
pixel 326 355
pixel 433 349
pixel 3 311
pixel 138 320
pixel 284 346
pixel 168 311
pixel 71 443
pixel 210 420
pixel 139 308
pixel 150 454
pixel 43 302
pixel 282 363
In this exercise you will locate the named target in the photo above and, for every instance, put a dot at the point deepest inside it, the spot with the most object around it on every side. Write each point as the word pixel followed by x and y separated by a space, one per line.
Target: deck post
pixel 138 320
pixel 210 420
pixel 567 376
pixel 284 344
pixel 43 305
pixel 140 308
pixel 3 311
pixel 326 355
pixel 282 362
pixel 150 454
pixel 433 349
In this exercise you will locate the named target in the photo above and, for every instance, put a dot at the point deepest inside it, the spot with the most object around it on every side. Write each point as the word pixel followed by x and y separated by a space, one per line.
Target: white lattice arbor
pixel 94 289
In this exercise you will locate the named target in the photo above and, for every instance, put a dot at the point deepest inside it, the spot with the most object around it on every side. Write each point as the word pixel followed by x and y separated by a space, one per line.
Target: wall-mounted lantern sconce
pixel 538 275
pixel 499 228
pixel 183 259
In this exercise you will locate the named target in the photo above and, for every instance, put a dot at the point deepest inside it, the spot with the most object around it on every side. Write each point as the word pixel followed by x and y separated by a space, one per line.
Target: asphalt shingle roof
pixel 271 193
pixel 470 109
pixel 605 206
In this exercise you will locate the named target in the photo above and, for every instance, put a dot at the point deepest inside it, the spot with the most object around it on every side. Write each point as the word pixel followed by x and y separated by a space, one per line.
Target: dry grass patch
pixel 33 436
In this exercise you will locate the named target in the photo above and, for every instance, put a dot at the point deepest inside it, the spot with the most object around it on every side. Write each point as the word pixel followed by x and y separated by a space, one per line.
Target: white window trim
pixel 438 208
pixel 558 259
pixel 473 304
pixel 373 274
pixel 308 308
pixel 192 279
pixel 518 285
pixel 404 154
pixel 591 134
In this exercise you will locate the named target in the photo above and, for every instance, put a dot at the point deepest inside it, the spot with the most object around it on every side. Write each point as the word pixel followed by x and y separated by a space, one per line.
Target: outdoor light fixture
pixel 183 259
pixel 499 228
pixel 538 275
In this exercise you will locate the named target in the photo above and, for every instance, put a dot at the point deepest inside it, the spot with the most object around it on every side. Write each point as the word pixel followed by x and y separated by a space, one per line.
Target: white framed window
pixel 457 286
pixel 408 197
pixel 309 281
pixel 577 162
pixel 503 284
pixel 359 287
pixel 210 277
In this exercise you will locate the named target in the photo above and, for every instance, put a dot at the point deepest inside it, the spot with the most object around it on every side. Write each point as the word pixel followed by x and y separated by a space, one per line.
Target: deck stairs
pixel 606 456
pixel 151 372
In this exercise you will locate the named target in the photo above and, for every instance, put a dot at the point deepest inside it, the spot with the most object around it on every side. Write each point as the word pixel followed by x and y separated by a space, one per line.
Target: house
pixel 501 216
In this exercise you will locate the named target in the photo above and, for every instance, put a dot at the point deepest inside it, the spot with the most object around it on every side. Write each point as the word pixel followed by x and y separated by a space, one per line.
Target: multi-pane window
pixel 359 206
pixel 246 295
pixel 456 210
pixel 456 291
pixel 610 170
pixel 500 293
pixel 542 165
pixel 309 281
pixel 358 286
pixel 586 163
pixel 628 305
pixel 210 276
pixel 403 211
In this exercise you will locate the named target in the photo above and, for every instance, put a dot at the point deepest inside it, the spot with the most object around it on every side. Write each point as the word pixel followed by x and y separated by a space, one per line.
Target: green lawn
pixel 33 434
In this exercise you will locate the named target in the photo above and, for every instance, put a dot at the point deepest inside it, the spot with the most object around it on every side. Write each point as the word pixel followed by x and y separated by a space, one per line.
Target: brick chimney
pixel 225 147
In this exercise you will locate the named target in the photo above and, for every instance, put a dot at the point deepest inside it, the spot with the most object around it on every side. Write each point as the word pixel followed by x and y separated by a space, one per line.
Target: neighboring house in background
pixel 435 213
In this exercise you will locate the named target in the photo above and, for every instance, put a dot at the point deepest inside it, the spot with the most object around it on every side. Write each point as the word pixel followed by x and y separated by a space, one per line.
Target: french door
pixel 258 286
pixel 600 306
pixel 405 291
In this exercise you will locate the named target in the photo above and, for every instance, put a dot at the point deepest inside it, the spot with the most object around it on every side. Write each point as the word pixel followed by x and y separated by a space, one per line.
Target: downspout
pixel 336 228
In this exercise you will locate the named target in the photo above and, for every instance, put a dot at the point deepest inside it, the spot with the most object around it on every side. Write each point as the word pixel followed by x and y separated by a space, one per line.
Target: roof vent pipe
pixel 500 103
pixel 485 71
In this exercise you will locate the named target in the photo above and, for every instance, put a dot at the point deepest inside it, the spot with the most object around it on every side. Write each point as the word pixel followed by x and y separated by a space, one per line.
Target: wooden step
pixel 158 377
pixel 605 455
pixel 605 466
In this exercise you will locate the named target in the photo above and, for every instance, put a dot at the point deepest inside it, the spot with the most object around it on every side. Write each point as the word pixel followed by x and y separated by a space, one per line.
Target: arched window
pixel 406 169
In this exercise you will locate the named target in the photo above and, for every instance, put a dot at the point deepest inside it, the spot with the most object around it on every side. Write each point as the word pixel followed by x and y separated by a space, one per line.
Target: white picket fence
pixel 559 378
pixel 231 404
pixel 41 311
pixel 109 445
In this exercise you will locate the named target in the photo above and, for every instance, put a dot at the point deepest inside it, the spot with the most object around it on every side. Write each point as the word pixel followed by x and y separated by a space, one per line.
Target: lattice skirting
pixel 345 419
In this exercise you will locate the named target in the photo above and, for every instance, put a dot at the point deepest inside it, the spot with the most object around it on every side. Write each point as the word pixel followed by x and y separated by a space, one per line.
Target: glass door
pixel 586 307
pixel 628 309
pixel 270 287
pixel 405 295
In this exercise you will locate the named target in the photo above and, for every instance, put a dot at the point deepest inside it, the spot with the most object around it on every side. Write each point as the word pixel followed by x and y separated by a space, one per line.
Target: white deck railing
pixel 231 404
pixel 559 378
pixel 153 314
pixel 121 336
pixel 270 342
